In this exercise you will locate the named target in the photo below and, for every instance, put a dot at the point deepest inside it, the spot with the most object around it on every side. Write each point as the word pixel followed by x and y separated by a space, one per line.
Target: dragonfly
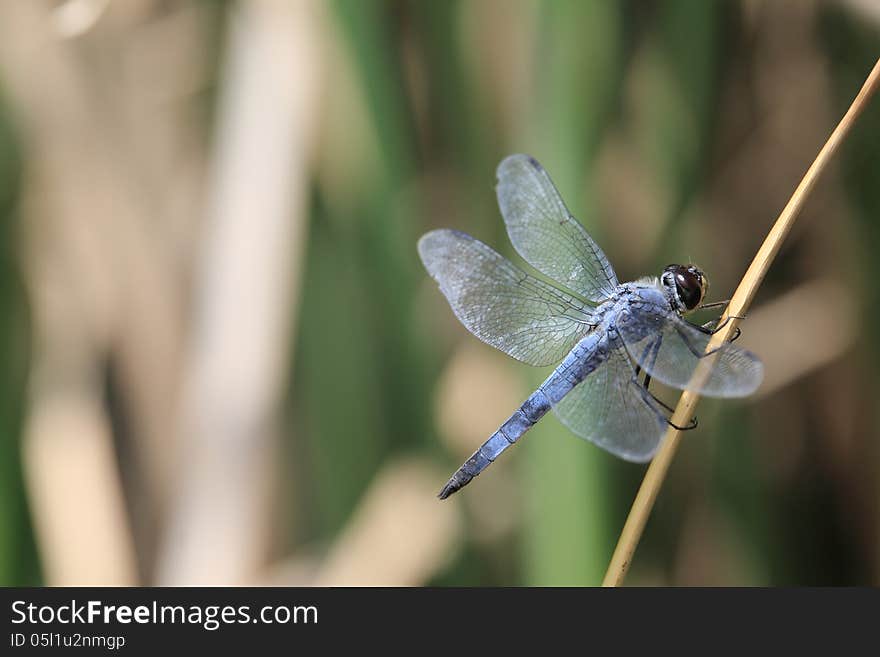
pixel 604 334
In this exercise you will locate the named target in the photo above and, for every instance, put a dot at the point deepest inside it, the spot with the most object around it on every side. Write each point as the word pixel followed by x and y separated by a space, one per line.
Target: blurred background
pixel 225 364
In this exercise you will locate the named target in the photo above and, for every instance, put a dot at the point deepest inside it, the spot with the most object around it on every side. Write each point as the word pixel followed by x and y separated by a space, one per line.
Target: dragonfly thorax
pixel 685 286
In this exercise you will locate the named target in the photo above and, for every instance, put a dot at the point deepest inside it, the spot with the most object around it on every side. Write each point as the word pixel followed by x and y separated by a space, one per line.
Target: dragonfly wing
pixel 545 234
pixel 672 349
pixel 501 304
pixel 613 410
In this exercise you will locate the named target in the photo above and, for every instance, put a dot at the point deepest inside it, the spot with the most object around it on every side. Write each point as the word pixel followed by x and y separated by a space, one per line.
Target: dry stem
pixel 739 304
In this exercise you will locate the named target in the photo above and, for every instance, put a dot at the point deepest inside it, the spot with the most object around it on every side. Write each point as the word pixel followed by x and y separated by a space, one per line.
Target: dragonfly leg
pixel 651 346
pixel 655 348
pixel 709 329
pixel 691 348
pixel 690 425
pixel 714 304
pixel 647 382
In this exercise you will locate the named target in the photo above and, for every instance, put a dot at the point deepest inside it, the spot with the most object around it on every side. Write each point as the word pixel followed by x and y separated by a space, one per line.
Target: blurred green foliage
pixel 18 560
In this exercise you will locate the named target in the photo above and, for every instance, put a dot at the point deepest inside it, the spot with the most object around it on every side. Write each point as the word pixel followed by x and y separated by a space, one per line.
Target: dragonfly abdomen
pixel 582 360
pixel 523 419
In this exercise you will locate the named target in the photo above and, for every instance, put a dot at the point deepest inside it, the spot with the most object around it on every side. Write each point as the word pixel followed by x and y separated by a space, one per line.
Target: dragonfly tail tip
pixel 455 483
pixel 446 491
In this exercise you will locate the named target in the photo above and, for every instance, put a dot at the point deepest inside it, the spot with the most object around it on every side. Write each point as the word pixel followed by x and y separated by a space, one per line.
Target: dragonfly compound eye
pixel 690 284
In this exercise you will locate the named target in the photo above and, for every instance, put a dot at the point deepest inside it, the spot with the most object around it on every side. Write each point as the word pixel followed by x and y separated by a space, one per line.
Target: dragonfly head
pixel 685 285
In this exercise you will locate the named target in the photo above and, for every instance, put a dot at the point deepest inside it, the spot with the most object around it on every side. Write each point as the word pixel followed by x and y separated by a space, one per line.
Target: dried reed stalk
pixel 739 304
pixel 220 527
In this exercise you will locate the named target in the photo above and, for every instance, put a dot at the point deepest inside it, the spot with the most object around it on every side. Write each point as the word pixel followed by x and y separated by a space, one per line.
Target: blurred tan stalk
pixel 249 262
pixel 81 216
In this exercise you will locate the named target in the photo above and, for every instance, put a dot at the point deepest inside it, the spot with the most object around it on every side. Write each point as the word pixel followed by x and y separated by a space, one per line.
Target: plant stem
pixel 736 309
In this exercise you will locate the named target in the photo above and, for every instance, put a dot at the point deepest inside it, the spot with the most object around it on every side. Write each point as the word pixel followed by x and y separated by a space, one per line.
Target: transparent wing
pixel 671 350
pixel 545 234
pixel 612 409
pixel 501 304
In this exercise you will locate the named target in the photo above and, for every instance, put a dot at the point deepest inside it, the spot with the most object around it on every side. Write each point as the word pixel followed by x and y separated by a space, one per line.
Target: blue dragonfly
pixel 604 333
